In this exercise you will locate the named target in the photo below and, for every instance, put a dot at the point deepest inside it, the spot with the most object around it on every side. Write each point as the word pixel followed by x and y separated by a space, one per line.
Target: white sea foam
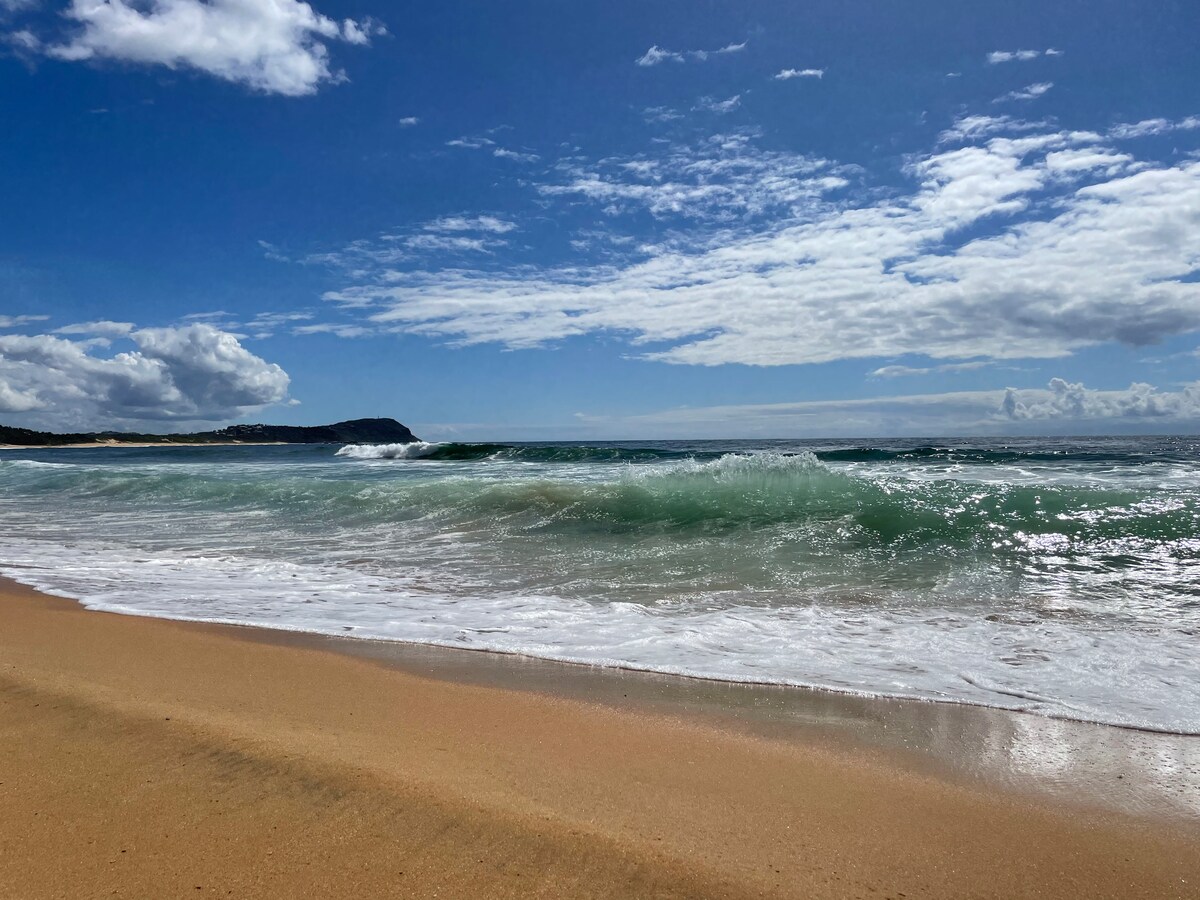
pixel 1050 667
pixel 413 450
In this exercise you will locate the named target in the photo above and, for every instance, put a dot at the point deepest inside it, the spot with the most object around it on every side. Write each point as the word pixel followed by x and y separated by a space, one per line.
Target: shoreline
pixel 1098 766
pixel 506 776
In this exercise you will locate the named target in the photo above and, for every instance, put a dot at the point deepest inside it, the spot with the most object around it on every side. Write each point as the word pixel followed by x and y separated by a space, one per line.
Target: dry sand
pixel 146 758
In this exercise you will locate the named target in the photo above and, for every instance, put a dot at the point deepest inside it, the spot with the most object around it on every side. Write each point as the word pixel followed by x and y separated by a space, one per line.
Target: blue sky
pixel 538 219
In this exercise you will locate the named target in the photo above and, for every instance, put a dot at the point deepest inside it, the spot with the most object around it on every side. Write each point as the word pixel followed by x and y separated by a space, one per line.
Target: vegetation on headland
pixel 353 431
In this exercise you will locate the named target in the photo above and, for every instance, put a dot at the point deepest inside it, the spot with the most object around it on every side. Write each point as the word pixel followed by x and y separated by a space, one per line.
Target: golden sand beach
pixel 149 758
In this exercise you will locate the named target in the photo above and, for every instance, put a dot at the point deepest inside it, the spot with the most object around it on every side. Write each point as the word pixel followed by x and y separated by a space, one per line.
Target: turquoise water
pixel 1056 576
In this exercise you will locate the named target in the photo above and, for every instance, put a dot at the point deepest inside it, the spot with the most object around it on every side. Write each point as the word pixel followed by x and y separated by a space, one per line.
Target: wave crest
pixel 413 450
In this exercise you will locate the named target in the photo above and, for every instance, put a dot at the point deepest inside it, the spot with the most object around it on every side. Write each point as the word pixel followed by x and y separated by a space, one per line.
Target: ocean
pixel 1055 576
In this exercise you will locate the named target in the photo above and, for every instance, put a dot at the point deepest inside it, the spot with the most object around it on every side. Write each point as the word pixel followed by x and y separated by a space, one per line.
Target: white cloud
pixel 721 107
pixel 15 401
pixel 455 243
pixel 661 114
pixel 1003 56
pixel 24 41
pixel 1029 92
pixel 656 55
pixel 9 322
pixel 409 122
pixel 103 328
pixel 721 178
pixel 273 46
pixel 489 224
pixel 449 234
pixel 1075 402
pixel 973 127
pixel 504 153
pixel 903 371
pixel 788 74
pixel 471 142
pixel 1085 159
pixel 989 253
pixel 334 328
pixel 1152 127
pixel 194 372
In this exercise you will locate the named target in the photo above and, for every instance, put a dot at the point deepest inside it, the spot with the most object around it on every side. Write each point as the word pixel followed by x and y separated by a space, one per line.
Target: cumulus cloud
pixel 656 55
pixel 789 74
pixel 273 46
pixel 1075 402
pixel 1003 56
pixel 191 373
pixel 409 122
pixel 999 249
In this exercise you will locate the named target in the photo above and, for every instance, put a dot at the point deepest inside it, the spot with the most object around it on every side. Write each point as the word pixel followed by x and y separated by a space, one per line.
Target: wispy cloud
pixel 273 46
pixel 789 74
pixel 103 328
pixel 657 55
pixel 1152 127
pixel 488 224
pixel 724 177
pixel 1023 242
pixel 1029 92
pixel 1064 407
pixel 9 322
pixel 905 371
pixel 1003 56
pixel 516 155
pixel 721 107
pixel 409 122
pixel 471 142
pixel 661 114
pixel 975 127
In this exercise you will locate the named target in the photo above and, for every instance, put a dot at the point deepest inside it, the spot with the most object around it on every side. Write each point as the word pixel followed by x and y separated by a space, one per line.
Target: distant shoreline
pixel 97 445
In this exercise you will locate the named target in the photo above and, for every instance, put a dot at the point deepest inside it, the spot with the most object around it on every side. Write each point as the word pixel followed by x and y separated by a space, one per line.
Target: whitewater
pixel 1055 576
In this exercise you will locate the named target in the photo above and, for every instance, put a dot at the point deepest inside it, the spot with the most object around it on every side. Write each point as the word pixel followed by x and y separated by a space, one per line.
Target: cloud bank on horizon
pixel 1000 229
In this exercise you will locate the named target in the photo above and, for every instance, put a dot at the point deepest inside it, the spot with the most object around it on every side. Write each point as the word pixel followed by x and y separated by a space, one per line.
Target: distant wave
pixel 458 452
pixel 452 451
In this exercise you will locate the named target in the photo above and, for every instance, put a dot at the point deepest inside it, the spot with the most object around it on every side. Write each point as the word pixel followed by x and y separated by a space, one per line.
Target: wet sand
pixel 148 758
